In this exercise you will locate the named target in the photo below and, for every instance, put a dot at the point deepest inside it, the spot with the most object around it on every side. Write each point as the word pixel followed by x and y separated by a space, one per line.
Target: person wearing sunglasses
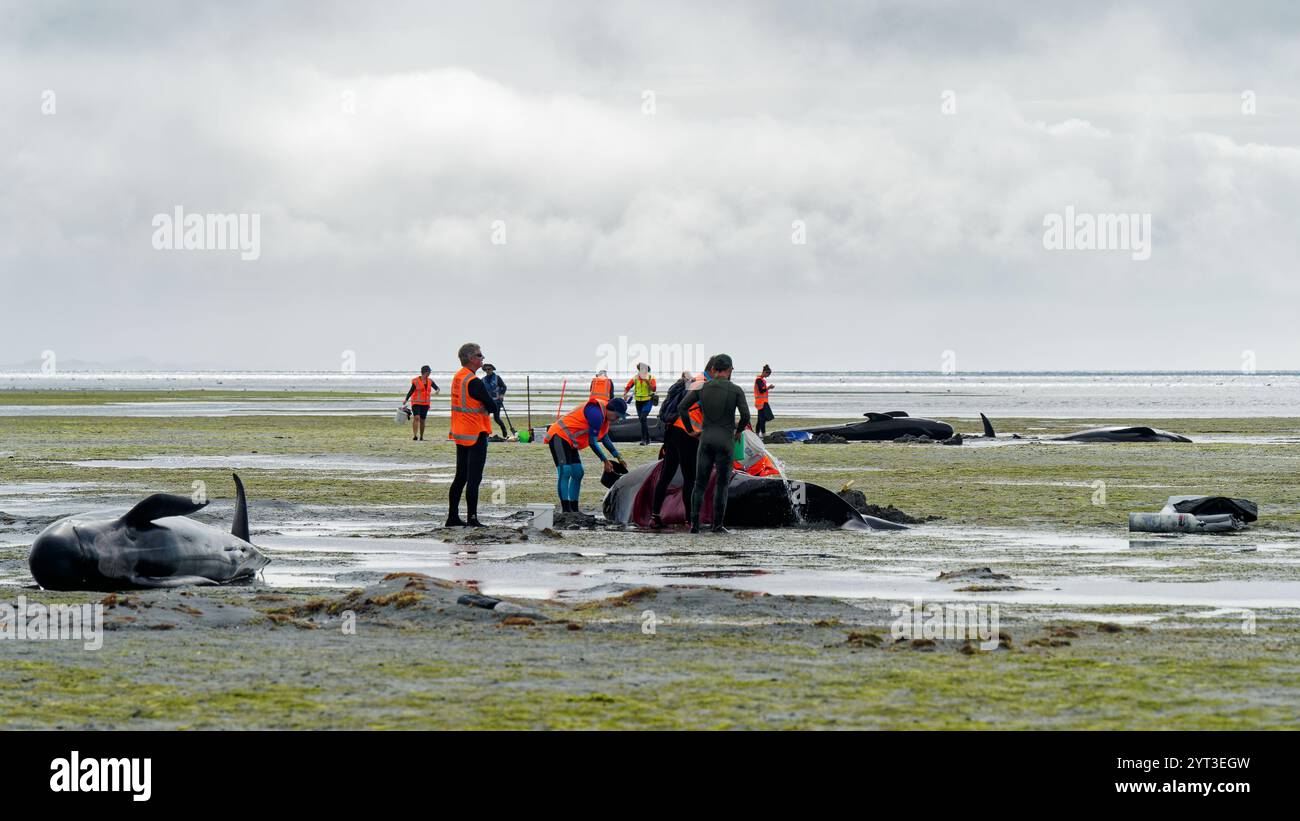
pixel 472 410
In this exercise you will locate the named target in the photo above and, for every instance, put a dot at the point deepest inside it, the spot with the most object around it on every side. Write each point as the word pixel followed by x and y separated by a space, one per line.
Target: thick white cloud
pixel 380 151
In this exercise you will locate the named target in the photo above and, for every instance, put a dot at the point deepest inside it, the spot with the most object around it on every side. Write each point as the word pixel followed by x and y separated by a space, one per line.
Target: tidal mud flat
pixel 788 628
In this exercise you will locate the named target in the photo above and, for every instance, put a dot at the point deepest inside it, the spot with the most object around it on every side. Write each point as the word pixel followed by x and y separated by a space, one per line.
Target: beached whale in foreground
pixel 884 427
pixel 151 545
pixel 1119 433
pixel 752 501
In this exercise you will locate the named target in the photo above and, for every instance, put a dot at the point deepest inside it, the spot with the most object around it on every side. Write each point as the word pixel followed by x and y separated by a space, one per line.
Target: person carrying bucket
pixel 418 396
pixel 586 426
pixel 642 389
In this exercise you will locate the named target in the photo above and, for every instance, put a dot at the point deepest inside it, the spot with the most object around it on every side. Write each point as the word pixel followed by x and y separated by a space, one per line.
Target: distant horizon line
pixel 24 372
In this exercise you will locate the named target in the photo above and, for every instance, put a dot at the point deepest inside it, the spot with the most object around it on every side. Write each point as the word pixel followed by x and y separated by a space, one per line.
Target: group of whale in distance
pixel 883 427
pixel 156 544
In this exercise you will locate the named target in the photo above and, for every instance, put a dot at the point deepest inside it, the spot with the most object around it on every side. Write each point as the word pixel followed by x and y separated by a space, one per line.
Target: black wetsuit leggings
pixel 679 451
pixel 470 460
pixel 712 456
pixel 760 421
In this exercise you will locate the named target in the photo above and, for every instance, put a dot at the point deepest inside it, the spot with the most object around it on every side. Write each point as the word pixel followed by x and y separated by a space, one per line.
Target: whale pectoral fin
pixel 169 581
pixel 240 527
pixel 160 506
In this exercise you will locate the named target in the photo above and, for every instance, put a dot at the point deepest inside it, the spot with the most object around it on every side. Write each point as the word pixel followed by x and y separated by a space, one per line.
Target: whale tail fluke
pixel 988 427
pixel 240 527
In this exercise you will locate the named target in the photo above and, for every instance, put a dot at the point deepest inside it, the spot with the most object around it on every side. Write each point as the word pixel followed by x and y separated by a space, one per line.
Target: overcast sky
pixel 648 164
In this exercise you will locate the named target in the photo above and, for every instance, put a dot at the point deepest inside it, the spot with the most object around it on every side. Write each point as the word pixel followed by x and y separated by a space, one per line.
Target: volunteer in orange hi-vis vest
pixel 472 409
pixel 418 397
pixel 602 387
pixel 761 410
pixel 586 426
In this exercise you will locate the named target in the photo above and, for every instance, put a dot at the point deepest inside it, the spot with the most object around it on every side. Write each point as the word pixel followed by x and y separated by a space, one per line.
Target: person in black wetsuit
pixel 720 399
pixel 471 407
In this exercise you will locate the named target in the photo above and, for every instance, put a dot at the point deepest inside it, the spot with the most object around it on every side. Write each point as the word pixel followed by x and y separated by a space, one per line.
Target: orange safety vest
pixel 760 398
pixel 761 467
pixel 469 417
pixel 602 387
pixel 696 412
pixel 572 427
pixel 421 394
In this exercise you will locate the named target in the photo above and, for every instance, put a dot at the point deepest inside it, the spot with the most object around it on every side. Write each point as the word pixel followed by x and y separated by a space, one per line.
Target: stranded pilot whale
pixel 151 545
pixel 752 501
pixel 1134 433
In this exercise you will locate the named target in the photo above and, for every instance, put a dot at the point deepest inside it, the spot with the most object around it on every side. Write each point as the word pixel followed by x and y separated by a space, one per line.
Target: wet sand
pixel 784 628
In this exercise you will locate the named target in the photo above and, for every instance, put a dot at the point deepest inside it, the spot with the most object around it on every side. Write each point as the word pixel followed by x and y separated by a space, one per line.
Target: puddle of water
pixel 267 461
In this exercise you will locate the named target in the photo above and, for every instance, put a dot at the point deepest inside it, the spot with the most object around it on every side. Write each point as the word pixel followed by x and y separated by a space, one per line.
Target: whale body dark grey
pixel 1119 433
pixel 151 545
pixel 1138 433
pixel 628 429
pixel 884 427
pixel 752 501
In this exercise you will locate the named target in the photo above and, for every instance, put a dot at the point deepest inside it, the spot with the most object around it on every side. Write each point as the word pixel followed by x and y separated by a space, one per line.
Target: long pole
pixel 560 408
pixel 528 389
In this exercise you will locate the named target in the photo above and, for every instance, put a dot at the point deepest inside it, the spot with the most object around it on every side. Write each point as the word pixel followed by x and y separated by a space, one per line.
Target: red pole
pixel 560 409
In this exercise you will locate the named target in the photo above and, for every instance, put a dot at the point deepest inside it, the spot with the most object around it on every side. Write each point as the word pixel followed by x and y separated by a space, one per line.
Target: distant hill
pixel 134 363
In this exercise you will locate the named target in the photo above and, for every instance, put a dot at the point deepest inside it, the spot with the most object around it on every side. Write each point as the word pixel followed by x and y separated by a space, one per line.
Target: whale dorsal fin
pixel 240 527
pixel 1142 430
pixel 896 414
pixel 160 506
pixel 988 427
pixel 877 417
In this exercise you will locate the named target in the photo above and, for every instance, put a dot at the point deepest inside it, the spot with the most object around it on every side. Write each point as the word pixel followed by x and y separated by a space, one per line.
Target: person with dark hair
pixel 496 388
pixel 680 447
pixel 761 408
pixel 718 400
pixel 471 411
pixel 418 396
pixel 641 388
pixel 586 426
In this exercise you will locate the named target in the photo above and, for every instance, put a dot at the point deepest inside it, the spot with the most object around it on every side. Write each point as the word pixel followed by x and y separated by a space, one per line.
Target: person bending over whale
pixel 718 399
pixel 586 426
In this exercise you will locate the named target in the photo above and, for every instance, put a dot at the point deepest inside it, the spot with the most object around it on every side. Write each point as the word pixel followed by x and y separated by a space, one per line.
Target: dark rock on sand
pixel 972 574
pixel 908 439
pixel 858 501
pixel 568 520
pixel 826 439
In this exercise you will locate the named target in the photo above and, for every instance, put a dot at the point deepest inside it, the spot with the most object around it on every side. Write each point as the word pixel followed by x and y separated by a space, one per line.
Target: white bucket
pixel 543 516
pixel 402 417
